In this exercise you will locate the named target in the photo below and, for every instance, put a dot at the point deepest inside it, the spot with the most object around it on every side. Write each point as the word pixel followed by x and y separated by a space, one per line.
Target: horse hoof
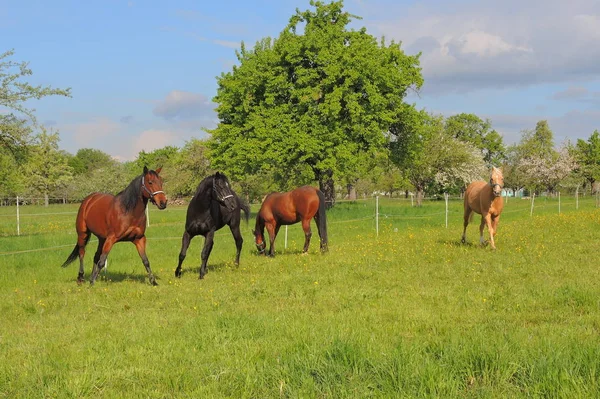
pixel 178 273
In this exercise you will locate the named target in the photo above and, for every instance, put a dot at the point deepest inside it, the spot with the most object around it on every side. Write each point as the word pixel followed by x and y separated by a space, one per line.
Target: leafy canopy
pixel 309 102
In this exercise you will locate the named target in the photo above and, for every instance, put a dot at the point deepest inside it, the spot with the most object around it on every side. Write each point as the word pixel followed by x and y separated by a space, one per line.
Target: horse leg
pixel 106 247
pixel 492 223
pixel 467 217
pixel 307 234
pixel 495 221
pixel 208 244
pixel 272 229
pixel 81 241
pixel 185 243
pixel 140 244
pixel 237 236
pixel 481 227
pixel 98 252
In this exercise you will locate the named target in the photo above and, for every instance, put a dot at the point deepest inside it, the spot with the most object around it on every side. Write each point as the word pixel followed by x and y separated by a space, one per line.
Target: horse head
pixel 497 181
pixel 259 240
pixel 223 192
pixel 152 185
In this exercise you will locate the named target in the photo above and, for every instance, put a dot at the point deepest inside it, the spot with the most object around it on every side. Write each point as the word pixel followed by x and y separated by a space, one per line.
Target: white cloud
pixel 87 134
pixel 150 140
pixel 179 105
pixel 571 93
pixel 571 125
pixel 496 44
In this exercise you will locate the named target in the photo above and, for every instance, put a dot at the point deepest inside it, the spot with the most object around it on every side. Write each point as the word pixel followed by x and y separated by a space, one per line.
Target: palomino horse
pixel 117 218
pixel 214 205
pixel 299 205
pixel 485 199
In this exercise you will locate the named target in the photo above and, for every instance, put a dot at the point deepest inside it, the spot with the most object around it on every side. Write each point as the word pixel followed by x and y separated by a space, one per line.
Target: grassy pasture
pixel 408 313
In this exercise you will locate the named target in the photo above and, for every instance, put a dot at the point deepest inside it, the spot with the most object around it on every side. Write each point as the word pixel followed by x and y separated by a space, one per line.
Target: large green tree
pixel 304 106
pixel 16 125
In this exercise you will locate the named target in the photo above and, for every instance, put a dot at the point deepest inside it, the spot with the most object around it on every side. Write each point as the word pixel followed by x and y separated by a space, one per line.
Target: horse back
pixel 290 207
pixel 306 201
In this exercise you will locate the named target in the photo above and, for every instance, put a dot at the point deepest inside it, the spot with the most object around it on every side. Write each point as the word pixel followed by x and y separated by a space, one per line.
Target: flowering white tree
pixel 548 171
pixel 459 163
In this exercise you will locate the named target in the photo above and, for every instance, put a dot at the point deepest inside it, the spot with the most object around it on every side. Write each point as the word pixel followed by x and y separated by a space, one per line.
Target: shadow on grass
pixel 116 277
pixel 286 252
pixel 209 268
pixel 460 244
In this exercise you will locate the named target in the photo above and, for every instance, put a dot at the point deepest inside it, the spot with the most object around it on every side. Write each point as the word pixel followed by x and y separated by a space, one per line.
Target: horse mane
pixel 207 181
pixel 129 197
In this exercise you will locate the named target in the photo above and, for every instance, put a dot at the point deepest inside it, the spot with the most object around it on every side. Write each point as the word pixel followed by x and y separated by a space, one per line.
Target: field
pixel 410 312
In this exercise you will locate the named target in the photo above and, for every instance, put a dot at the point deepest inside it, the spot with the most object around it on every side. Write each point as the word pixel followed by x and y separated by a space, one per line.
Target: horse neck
pixel 140 207
pixel 259 227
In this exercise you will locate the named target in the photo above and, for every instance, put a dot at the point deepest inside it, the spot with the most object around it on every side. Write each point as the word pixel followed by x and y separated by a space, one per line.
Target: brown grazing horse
pixel 485 199
pixel 117 218
pixel 299 205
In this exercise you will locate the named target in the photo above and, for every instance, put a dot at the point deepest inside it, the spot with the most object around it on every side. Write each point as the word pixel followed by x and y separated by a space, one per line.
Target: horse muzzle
pixel 161 203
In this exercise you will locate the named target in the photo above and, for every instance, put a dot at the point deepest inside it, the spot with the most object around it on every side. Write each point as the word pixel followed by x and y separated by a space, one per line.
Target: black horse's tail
pixel 75 254
pixel 322 221
pixel 245 208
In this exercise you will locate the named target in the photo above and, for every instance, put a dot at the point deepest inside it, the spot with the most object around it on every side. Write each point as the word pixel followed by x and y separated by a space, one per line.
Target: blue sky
pixel 143 73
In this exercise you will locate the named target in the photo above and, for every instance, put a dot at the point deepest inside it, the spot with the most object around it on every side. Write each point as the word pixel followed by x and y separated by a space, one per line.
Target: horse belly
pixel 95 209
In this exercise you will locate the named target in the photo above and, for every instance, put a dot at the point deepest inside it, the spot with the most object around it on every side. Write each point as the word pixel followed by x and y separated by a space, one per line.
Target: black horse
pixel 214 205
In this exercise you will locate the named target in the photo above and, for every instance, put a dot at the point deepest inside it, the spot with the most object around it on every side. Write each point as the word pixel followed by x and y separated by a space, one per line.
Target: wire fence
pixel 17 216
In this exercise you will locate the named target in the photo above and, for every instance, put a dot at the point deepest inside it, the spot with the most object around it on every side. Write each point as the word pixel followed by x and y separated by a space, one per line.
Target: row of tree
pixel 320 103
pixel 442 162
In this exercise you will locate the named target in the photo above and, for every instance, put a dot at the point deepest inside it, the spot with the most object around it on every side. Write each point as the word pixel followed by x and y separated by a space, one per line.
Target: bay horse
pixel 299 205
pixel 116 218
pixel 486 200
pixel 213 206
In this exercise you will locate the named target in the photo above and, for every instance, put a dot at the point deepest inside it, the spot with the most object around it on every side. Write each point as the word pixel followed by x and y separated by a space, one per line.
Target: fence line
pixel 376 216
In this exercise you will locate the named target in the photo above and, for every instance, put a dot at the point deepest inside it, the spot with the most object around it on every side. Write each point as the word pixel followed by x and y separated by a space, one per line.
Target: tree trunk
pixel 327 187
pixel 351 192
pixel 420 195
pixel 46 199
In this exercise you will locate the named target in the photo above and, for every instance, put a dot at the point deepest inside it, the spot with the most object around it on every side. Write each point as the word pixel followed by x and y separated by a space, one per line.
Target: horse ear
pixel 217 174
pixel 145 169
pixel 158 170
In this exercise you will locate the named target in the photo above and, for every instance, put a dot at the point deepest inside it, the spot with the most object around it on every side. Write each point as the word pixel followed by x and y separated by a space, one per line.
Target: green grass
pixel 408 313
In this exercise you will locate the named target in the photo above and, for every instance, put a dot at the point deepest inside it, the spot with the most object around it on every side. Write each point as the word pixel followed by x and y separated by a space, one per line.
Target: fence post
pixel 147 217
pixel 446 198
pixel 377 215
pixel 285 242
pixel 532 201
pixel 18 218
pixel 559 202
